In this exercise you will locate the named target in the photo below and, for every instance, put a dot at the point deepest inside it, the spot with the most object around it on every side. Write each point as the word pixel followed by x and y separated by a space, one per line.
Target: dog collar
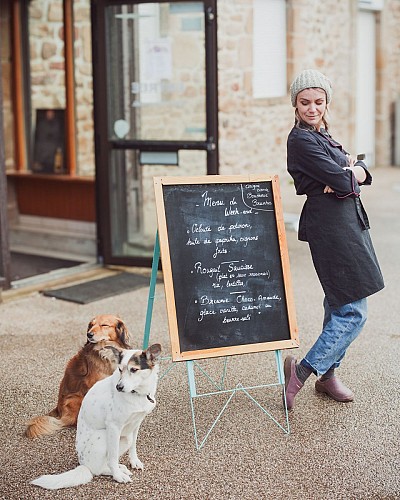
pixel 148 396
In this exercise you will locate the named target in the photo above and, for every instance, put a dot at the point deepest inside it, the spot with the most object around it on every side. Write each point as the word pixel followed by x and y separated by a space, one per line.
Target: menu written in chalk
pixel 225 271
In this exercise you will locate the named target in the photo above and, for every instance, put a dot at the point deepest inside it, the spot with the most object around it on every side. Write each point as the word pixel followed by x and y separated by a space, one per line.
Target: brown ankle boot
pixel 292 383
pixel 335 389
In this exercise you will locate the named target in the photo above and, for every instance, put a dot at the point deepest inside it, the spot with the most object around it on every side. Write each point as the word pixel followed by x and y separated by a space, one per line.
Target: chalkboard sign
pixel 225 264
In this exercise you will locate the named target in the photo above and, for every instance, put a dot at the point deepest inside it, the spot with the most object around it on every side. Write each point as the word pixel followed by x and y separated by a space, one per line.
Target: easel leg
pixel 279 367
pixel 193 395
pixel 150 302
pixel 281 381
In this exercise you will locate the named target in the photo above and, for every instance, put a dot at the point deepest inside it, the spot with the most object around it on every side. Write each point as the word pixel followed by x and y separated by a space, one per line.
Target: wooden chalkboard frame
pixel 181 355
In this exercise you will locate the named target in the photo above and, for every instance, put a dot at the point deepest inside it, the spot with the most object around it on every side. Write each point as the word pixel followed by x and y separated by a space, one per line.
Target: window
pixel 52 96
pixel 47 86
pixel 269 48
pixel 6 72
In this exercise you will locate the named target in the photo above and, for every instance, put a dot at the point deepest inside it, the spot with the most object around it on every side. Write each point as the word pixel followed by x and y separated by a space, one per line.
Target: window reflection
pixel 47 90
pixel 6 74
pixel 156 61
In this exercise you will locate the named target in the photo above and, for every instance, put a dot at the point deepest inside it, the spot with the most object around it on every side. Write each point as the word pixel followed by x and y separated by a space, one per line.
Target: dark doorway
pixel 26 265
pixel 156 112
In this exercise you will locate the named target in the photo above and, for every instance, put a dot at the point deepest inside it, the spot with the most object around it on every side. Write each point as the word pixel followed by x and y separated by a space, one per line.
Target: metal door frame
pixel 104 146
pixel 5 259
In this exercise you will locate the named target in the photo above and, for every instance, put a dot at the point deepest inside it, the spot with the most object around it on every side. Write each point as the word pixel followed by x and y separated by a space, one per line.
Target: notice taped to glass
pixel 225 265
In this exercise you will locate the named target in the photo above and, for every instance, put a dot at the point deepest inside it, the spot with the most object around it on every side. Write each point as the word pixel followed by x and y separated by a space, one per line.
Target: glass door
pixel 155 87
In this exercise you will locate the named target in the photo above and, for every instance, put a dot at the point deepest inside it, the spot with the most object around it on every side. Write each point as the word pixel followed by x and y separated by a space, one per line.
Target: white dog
pixel 109 420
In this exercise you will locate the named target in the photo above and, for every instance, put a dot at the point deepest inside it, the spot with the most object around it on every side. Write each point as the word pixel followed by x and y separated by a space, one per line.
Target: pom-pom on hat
pixel 307 79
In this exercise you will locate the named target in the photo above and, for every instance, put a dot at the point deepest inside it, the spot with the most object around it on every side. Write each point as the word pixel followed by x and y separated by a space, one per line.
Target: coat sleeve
pixel 312 160
pixel 368 179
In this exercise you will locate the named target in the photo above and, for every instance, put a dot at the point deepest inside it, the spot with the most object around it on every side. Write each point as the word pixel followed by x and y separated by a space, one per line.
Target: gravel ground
pixel 334 451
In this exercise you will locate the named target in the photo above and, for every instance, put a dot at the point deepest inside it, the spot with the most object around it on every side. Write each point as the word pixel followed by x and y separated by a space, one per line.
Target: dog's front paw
pixel 136 463
pixel 124 469
pixel 121 477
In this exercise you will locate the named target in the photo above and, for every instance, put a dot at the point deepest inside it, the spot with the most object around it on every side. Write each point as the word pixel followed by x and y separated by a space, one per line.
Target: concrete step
pixel 59 238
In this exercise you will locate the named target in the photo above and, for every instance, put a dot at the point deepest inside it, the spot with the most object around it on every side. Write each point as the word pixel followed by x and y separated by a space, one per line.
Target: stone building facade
pixel 320 35
pixel 356 43
pixel 253 131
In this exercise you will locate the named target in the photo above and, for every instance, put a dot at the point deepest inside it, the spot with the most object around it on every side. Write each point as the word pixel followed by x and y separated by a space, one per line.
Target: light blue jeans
pixel 340 327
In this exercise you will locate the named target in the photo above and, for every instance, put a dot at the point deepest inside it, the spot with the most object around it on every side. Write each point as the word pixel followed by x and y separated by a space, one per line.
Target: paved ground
pixel 334 451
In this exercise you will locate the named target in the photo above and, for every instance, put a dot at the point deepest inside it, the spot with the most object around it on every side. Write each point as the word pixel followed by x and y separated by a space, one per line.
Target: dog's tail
pixel 46 424
pixel 75 477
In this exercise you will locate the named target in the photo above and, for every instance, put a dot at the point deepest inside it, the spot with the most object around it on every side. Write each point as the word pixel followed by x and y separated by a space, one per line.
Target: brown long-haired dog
pixel 90 364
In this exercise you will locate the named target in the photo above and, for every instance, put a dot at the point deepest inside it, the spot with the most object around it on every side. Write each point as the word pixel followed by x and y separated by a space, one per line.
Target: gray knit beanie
pixel 307 79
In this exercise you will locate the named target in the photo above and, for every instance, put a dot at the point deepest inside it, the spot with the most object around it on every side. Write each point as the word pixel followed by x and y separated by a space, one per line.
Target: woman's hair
pixel 298 122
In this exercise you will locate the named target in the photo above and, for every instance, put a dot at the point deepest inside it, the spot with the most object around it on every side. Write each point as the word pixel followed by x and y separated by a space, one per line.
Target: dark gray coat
pixel 334 225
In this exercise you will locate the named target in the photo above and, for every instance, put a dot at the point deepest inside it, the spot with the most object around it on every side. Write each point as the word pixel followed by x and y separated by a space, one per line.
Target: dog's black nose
pixel 119 387
pixel 90 335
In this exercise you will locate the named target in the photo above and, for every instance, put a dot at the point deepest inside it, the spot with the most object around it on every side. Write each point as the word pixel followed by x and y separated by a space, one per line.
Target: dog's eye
pixel 120 370
pixel 133 370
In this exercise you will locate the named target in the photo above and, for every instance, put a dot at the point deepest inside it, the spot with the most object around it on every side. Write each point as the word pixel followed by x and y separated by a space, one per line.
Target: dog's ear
pixel 111 353
pixel 153 352
pixel 89 327
pixel 123 334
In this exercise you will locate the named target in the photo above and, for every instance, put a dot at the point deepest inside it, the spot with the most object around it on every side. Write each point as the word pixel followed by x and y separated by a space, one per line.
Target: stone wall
pixel 320 35
pixel 84 87
pixel 46 52
pixel 253 131
pixel 388 72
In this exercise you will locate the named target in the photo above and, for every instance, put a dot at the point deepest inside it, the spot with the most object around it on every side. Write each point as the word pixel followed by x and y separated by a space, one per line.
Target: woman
pixel 335 225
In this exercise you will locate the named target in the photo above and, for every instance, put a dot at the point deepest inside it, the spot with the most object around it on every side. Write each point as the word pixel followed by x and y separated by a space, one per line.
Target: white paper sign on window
pixel 158 59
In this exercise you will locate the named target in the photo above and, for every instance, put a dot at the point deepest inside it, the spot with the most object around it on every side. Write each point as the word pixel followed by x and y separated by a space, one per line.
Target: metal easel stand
pixel 190 365
pixel 232 392
pixel 150 302
pixel 152 288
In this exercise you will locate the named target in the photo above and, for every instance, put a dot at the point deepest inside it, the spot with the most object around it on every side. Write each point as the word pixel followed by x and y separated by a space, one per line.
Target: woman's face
pixel 311 106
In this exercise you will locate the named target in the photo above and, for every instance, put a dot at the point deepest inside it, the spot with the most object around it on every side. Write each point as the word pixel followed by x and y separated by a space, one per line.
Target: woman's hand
pixel 351 161
pixel 328 190
pixel 357 170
